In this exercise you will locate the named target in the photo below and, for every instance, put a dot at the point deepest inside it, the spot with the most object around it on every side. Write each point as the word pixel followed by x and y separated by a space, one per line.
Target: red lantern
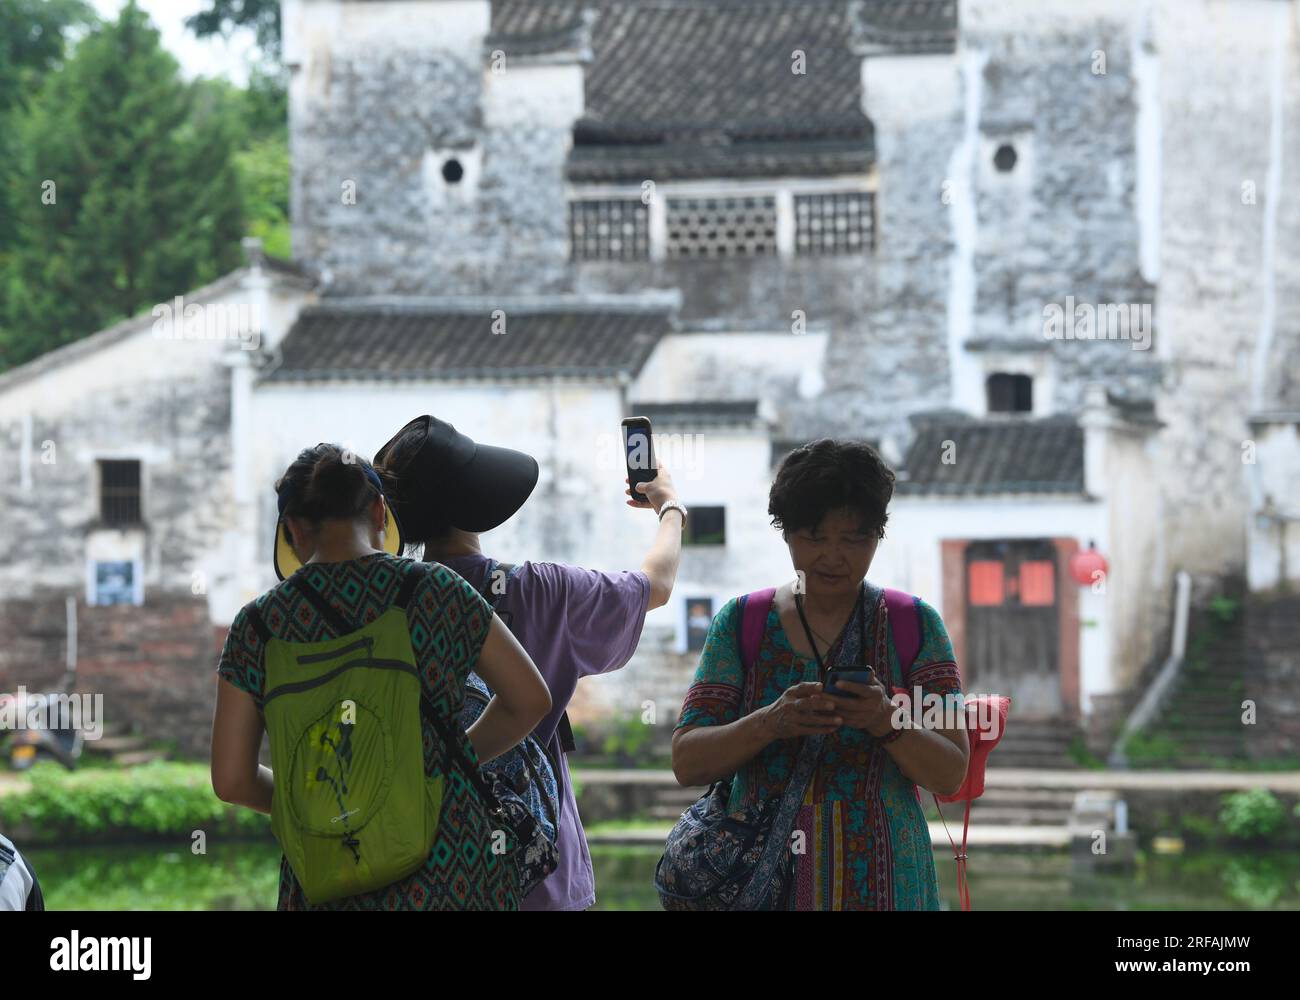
pixel 1086 564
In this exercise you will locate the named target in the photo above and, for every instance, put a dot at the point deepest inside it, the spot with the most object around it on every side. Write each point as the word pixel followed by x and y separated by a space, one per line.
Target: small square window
pixel 1010 393
pixel 706 526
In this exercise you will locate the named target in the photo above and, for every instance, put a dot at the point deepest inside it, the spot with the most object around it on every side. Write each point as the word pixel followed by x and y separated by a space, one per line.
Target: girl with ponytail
pixel 336 551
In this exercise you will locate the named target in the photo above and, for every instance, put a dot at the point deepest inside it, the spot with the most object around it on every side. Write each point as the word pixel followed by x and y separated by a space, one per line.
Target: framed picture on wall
pixel 699 616
pixel 114 582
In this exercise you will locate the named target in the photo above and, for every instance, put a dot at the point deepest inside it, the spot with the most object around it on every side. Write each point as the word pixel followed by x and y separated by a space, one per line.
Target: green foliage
pixel 32 41
pixel 1151 747
pixel 1224 608
pixel 1256 882
pixel 1078 752
pixel 125 191
pixel 232 875
pixel 264 179
pixel 627 738
pixel 221 17
pixel 32 36
pixel 161 799
pixel 1253 814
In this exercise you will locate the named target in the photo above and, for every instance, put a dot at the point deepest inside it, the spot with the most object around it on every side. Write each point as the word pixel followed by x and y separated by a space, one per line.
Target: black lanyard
pixel 860 608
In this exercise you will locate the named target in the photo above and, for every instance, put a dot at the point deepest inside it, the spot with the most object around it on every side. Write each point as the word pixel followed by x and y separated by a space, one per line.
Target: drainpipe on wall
pixel 1166 680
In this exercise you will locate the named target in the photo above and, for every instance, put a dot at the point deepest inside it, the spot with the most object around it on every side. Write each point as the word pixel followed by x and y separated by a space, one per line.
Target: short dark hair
pixel 420 515
pixel 828 475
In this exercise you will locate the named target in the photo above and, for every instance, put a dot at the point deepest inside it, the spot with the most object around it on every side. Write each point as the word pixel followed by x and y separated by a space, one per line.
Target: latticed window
pixel 609 230
pixel 119 492
pixel 833 223
pixel 722 227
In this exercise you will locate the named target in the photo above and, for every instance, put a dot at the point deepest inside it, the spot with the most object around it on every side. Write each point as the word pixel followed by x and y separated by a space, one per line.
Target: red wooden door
pixel 1012 624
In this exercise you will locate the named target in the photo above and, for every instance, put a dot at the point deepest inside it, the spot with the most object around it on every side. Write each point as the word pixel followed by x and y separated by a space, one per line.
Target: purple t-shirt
pixel 573 622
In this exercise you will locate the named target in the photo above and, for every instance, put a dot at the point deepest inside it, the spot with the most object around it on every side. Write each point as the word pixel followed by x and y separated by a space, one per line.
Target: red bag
pixel 986 722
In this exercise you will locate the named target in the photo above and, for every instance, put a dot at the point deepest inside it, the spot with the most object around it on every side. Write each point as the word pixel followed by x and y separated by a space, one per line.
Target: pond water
pixel 244 876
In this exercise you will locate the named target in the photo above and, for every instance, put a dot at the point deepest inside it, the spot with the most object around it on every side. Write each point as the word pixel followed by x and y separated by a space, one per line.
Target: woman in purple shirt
pixel 573 622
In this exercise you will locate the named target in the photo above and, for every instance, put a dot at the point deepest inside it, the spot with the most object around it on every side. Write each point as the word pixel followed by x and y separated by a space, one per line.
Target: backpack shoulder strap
pixel 905 623
pixel 413 575
pixel 754 609
pixel 35 897
pixel 7 855
pixel 485 586
pixel 259 623
pixel 314 597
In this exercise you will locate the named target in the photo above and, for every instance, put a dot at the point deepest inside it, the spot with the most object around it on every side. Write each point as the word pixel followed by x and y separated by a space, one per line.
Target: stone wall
pixel 179 429
pixel 372 127
pixel 155 665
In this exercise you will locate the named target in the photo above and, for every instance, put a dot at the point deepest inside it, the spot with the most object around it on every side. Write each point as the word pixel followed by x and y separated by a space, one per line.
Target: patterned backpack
pixel 718 860
pixel 528 770
pixel 354 810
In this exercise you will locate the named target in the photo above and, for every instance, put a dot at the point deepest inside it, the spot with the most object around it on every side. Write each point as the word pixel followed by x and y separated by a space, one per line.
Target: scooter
pixel 27 744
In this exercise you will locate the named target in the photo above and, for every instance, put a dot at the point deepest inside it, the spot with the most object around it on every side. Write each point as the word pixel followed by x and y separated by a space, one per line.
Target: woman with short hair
pixel 866 843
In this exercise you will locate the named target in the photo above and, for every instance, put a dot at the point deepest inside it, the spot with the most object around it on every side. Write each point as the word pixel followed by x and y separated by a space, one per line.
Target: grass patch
pixel 160 800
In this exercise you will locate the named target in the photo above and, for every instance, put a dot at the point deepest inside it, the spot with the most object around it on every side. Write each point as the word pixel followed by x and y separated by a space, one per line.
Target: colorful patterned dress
pixel 449 622
pixel 867 841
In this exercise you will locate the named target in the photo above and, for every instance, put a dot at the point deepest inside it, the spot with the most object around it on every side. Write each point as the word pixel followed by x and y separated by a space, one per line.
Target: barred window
pixel 609 230
pixel 833 223
pixel 119 491
pixel 722 227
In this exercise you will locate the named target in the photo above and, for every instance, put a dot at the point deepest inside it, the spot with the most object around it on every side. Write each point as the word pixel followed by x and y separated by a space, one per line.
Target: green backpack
pixel 353 810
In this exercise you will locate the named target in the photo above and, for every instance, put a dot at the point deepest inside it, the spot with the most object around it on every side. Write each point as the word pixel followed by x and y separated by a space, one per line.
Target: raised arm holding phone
pixel 573 622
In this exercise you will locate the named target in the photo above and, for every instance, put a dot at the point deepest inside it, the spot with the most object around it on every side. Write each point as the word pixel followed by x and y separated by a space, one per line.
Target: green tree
pixel 221 17
pixel 127 193
pixel 32 41
pixel 32 34
pixel 264 182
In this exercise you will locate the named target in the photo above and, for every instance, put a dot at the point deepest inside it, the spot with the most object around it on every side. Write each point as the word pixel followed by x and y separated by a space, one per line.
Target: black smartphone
pixel 638 446
pixel 863 676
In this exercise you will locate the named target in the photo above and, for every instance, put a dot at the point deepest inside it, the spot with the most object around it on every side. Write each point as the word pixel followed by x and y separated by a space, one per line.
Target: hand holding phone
pixel 864 676
pixel 638 449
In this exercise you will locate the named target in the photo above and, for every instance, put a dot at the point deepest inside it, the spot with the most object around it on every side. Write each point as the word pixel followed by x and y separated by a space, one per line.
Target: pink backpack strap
pixel 905 623
pixel 906 626
pixel 754 609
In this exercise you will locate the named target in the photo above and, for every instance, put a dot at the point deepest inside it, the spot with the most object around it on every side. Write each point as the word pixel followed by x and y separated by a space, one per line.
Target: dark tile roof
pixel 685 160
pixel 782 446
pixel 536 30
pixel 903 27
pixel 417 341
pixel 1013 455
pixel 713 413
pixel 692 88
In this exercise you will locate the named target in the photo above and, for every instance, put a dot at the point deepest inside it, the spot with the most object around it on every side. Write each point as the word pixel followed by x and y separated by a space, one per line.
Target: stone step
pixel 1029 748
pixel 998 816
pixel 1059 798
pixel 1053 763
pixel 115 744
pixel 139 757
